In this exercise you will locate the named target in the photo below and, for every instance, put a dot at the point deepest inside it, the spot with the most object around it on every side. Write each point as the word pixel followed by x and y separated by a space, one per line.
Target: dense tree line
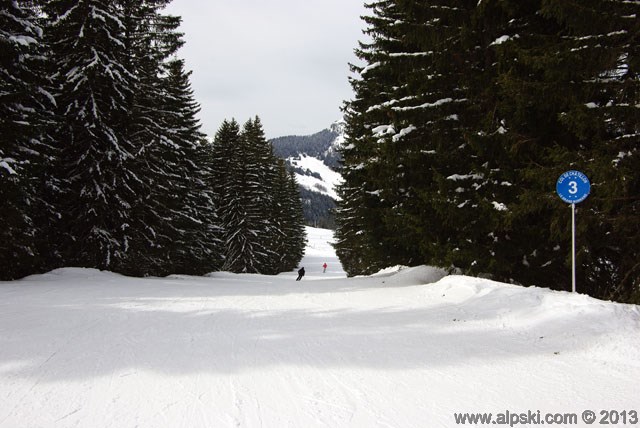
pixel 102 162
pixel 318 209
pixel 263 228
pixel 466 112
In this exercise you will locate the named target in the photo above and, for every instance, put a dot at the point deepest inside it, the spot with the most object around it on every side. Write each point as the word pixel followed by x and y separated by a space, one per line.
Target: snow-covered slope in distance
pixel 322 179
pixel 318 173
pixel 409 347
pixel 315 161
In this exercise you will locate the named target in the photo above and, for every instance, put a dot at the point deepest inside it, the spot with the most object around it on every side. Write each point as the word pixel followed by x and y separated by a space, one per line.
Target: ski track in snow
pixel 404 348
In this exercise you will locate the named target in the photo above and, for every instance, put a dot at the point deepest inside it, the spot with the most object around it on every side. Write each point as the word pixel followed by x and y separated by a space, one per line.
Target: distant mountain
pixel 321 145
pixel 315 160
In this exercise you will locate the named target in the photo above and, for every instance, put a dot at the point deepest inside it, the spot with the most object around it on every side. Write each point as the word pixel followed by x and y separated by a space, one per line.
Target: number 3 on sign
pixel 573 187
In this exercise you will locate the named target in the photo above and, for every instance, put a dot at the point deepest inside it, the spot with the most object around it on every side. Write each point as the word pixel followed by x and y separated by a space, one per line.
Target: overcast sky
pixel 283 60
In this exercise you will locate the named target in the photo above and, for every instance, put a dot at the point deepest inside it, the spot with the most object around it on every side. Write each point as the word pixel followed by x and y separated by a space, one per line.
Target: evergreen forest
pixel 102 161
pixel 464 115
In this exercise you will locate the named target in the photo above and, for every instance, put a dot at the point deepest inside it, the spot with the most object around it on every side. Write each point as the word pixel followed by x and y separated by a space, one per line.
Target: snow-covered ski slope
pixel 405 348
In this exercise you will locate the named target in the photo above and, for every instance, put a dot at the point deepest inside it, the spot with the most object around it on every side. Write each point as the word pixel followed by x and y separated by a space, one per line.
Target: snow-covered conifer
pixel 261 215
pixel 25 146
pixel 360 229
pixel 229 173
pixel 100 185
pixel 197 247
pixel 292 222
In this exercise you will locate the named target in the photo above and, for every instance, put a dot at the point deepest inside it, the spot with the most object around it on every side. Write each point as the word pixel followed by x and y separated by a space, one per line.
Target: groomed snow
pixel 403 348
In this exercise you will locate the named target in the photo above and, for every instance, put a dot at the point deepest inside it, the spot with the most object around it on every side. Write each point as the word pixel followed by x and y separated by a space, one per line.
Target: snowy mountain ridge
pixel 338 128
pixel 315 176
pixel 315 159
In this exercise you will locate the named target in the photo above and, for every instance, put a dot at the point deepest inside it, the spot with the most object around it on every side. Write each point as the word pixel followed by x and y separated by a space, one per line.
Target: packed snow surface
pixel 408 347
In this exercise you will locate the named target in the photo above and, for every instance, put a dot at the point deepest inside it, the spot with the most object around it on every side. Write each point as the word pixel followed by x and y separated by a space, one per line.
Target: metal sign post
pixel 573 248
pixel 573 187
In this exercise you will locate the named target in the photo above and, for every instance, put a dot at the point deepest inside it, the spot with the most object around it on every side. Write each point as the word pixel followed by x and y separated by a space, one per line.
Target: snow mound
pixel 75 273
pixel 419 275
pixel 559 320
pixel 527 303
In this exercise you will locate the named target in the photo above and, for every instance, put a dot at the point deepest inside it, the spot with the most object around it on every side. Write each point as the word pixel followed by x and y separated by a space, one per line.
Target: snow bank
pixel 419 275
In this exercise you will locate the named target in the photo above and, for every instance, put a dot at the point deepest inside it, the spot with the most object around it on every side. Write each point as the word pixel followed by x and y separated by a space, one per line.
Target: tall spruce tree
pixel 288 234
pixel 197 246
pixel 229 173
pixel 246 197
pixel 360 231
pixel 25 145
pixel 407 131
pixel 435 208
pixel 487 187
pixel 261 174
pixel 605 118
pixel 163 156
pixel 99 182
pixel 292 225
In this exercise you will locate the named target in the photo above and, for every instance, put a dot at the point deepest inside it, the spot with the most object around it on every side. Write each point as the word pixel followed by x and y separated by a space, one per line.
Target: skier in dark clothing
pixel 300 273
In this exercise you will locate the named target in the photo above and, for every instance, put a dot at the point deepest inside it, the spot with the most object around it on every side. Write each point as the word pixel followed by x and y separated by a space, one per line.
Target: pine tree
pixel 407 133
pixel 485 187
pixel 434 206
pixel 359 231
pixel 25 146
pixel 289 237
pixel 230 175
pixel 97 167
pixel 245 197
pixel 605 118
pixel 133 151
pixel 197 247
pixel 261 175
pixel 293 226
pixel 163 158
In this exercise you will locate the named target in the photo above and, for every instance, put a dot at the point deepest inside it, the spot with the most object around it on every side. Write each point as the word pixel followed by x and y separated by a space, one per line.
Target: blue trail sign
pixel 573 187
